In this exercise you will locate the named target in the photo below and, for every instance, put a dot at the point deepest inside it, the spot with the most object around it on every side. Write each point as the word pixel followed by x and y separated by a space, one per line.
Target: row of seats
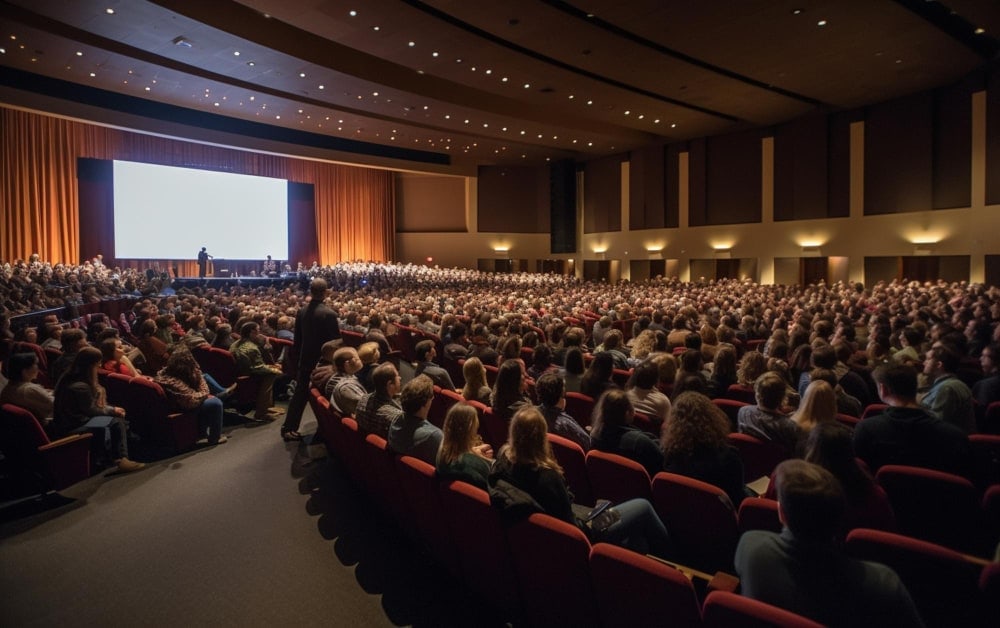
pixel 545 572
pixel 541 571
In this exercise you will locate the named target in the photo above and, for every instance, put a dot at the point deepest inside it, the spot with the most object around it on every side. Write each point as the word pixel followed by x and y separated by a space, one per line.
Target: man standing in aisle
pixel 315 324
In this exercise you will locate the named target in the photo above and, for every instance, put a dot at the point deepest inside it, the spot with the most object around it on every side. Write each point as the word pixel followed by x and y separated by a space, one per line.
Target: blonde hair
pixel 527 441
pixel 819 405
pixel 461 426
pixel 475 378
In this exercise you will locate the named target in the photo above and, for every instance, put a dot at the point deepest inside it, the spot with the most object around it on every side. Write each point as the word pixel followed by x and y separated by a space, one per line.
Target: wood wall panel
pixel 733 179
pixel 898 163
pixel 513 199
pixel 602 194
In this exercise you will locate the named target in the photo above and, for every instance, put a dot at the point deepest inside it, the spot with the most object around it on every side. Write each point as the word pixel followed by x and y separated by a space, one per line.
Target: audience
pixel 410 434
pixel 21 390
pixel 186 389
pixel 377 410
pixel 765 420
pixel 552 404
pixel 614 433
pixel 476 388
pixel 463 456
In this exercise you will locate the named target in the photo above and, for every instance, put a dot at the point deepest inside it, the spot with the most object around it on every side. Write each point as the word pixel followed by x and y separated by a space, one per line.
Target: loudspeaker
pixel 562 206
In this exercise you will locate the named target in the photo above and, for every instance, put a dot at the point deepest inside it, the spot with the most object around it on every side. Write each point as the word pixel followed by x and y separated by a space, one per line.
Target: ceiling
pixel 463 83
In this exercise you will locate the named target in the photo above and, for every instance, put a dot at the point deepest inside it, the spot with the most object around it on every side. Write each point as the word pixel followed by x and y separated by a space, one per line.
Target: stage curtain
pixel 354 206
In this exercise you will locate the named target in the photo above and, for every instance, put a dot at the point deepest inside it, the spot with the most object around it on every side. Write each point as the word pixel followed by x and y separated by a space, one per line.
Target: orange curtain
pixel 354 206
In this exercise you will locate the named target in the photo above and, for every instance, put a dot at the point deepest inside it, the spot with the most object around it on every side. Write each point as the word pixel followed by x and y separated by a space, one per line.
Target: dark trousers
pixel 297 404
pixel 109 439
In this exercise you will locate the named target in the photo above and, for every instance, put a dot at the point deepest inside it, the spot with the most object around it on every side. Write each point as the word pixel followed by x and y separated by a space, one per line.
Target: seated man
pixel 324 368
pixel 803 569
pixel 369 354
pixel 425 365
pixel 347 390
pixel 72 341
pixel 458 348
pixel 552 403
pixel 764 420
pixel 949 399
pixel 250 361
pixel 411 434
pixel 377 410
pixel 907 433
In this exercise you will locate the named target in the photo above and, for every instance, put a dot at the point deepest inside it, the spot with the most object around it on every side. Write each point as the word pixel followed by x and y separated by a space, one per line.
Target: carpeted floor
pixel 250 533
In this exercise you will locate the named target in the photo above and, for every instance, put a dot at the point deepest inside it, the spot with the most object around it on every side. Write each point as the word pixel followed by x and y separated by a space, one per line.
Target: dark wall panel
pixel 898 164
pixel 733 179
pixel 952 152
pixel 800 169
pixel 838 144
pixel 671 202
pixel 562 206
pixel 513 199
pixel 646 188
pixel 697 182
pixel 602 195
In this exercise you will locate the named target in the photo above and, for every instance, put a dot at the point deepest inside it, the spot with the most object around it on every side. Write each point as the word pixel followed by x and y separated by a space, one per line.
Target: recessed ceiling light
pixel 79 53
pixel 489 71
pixel 657 121
pixel 322 86
pixel 486 125
pixel 522 132
pixel 277 117
pixel 302 74
pixel 503 80
pixel 641 116
pixel 466 121
pixel 447 116
pixel 375 28
pixel 899 60
pixel 673 126
pixel 796 11
pixel 3 51
pixel 590 102
pixel 92 75
pixel 109 11
pixel 352 13
pixel 473 68
pixel 590 143
pixel 504 129
pixel 148 88
pixel 979 31
pixel 374 93
pixel 539 136
pixel 216 104
pixel 821 23
pixel 571 97
pixel 236 53
pixel 253 98
pixel 527 85
pixel 411 44
pixel 300 111
pixel 251 63
pixel 434 54
pixel 627 112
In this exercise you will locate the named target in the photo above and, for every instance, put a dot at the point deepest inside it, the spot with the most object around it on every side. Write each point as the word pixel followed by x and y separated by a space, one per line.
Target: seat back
pixel 759 457
pixel 148 413
pixel 873 409
pixel 621 376
pixel 442 402
pixel 731 407
pixel 935 506
pixel 481 544
pixel 847 420
pixel 723 609
pixel 739 392
pixel 327 422
pixel 615 477
pixel 492 427
pixel 218 363
pixel 116 385
pixel 37 463
pixel 700 518
pixel 552 562
pixel 418 482
pixel 573 461
pixel 352 338
pixel 378 461
pixel 943 583
pixel 986 453
pixel 580 407
pixel 758 513
pixel 636 590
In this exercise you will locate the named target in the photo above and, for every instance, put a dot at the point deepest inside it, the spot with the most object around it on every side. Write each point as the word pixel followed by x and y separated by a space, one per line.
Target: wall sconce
pixel 723 252
pixel 922 250
pixel 811 251
pixel 501 251
pixel 655 252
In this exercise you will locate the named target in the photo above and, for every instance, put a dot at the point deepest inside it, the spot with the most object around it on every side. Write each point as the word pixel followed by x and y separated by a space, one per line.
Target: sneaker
pixel 128 466
pixel 222 439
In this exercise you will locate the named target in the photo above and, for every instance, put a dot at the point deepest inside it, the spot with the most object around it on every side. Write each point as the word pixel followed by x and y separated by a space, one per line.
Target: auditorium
pixel 709 251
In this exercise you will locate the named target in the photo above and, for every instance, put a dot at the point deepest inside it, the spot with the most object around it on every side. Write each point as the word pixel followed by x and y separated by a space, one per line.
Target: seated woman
pixel 574 370
pixel 526 461
pixel 723 371
pixel 831 446
pixel 597 379
pixel 644 394
pixel 818 405
pixel 695 444
pixel 186 389
pixel 115 359
pixel 153 349
pixel 80 405
pixel 476 388
pixel 541 362
pixel 463 456
pixel 510 390
pixel 24 392
pixel 613 432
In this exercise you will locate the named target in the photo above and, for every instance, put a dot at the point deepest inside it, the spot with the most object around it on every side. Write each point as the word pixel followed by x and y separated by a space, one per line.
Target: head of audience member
pixel 542 357
pixel 824 357
pixel 511 383
pixel 460 433
pixel 22 367
pixel 941 359
pixel 667 366
pixel 612 340
pixel 613 409
pixel 425 351
pixel 318 289
pixel 527 441
pixel 769 389
pixel 511 348
pixel 386 380
pixel 988 359
pixel 689 382
pixel 73 340
pixel 896 384
pixel 831 446
pixel 416 396
pixel 369 353
pixel 475 378
pixel 83 368
pixel 692 361
pixel 724 364
pixel 346 360
pixel 551 390
pixel 752 366
pixel 574 362
pixel 694 423
pixel 182 365
pixel 327 351
pixel 818 405
pixel 111 349
pixel 601 368
pixel 458 334
pixel 810 501
pixel 646 375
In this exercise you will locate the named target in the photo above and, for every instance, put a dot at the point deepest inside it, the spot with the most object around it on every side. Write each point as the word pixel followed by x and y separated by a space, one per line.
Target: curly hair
pixel 752 366
pixel 694 422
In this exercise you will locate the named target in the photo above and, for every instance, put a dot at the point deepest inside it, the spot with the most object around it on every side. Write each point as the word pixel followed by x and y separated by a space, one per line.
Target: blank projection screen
pixel 164 212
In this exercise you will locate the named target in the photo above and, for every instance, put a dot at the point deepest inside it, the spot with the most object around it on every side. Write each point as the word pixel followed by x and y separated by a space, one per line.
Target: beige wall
pixel 967 231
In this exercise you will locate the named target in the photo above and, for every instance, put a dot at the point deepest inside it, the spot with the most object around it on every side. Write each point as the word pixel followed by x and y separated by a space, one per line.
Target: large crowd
pixel 650 355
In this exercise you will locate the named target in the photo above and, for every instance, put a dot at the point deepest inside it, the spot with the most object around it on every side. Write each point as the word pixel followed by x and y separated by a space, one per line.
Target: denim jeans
pixel 640 530
pixel 109 436
pixel 210 419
